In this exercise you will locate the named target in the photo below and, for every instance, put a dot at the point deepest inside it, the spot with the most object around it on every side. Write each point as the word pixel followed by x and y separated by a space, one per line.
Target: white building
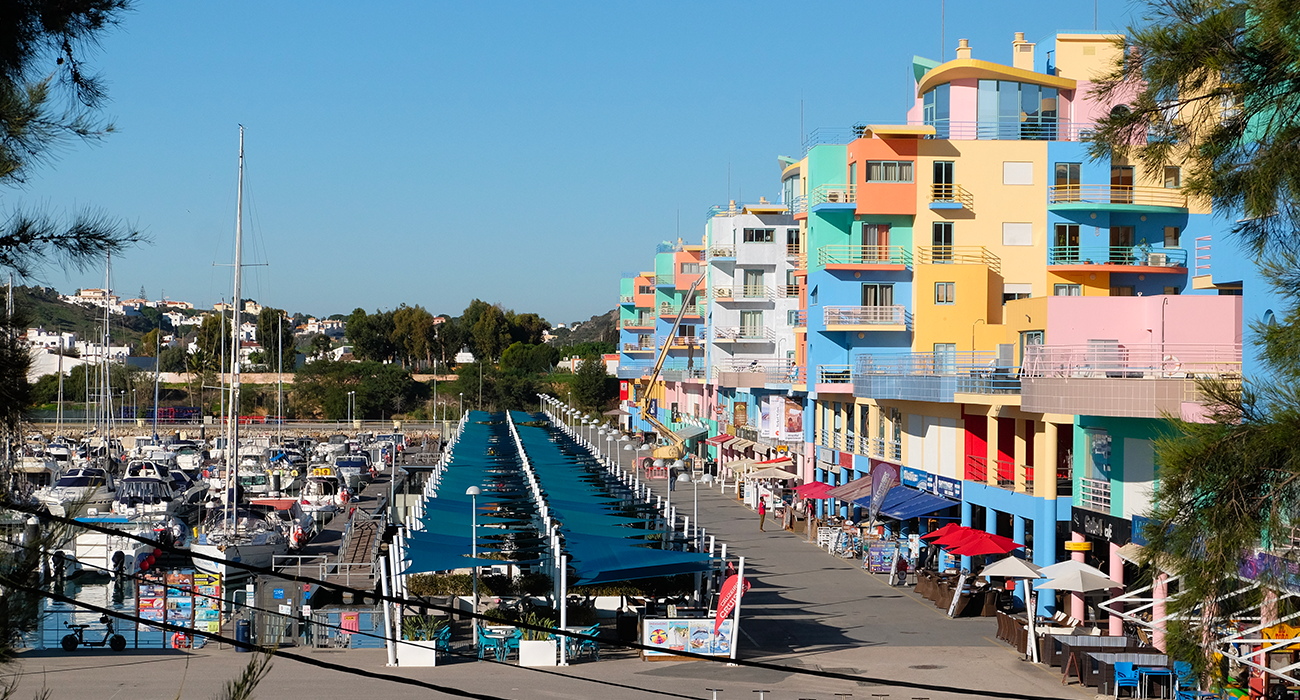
pixel 41 339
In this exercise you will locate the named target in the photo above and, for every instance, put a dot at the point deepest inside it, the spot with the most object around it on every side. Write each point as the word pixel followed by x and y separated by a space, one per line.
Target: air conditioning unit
pixel 722 293
pixel 1157 260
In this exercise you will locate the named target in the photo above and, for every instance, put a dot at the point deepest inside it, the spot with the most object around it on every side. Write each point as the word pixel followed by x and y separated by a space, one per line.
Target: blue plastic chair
pixel 1126 677
pixel 588 645
pixel 488 643
pixel 511 644
pixel 442 639
pixel 1183 670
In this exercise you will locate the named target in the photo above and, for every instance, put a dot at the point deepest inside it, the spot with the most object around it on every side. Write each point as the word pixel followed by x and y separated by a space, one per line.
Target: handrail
pixel 1135 255
pixel 958 255
pixel 834 374
pixel 626 298
pixel 1143 195
pixel 1203 246
pixel 742 333
pixel 792 250
pixel 1133 360
pixel 638 347
pixel 743 292
pixel 849 254
pixel 1009 129
pixel 801 318
pixel 638 323
pixel 669 309
pixel 833 194
pixel 788 291
pixel 720 251
pixel 951 194
pixel 896 315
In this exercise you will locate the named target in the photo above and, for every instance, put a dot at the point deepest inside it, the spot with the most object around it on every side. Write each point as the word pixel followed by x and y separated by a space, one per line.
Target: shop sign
pixel 931 483
pixel 1101 526
pixel 623 390
pixel 948 488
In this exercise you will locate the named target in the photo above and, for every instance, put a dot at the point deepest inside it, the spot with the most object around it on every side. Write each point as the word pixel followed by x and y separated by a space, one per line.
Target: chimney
pixel 963 48
pixel 1022 53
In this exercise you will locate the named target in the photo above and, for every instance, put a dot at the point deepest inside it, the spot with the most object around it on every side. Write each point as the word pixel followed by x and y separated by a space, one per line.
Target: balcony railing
pixel 1117 194
pixel 850 441
pixel 1010 129
pixel 638 322
pixel 772 370
pixel 952 195
pixel 670 310
pixel 1133 361
pixel 895 315
pixel 792 250
pixel 833 194
pixel 663 280
pixel 886 449
pixel 735 208
pixel 1005 473
pixel 801 318
pixel 720 252
pixel 1137 256
pixel 930 376
pixel 1094 494
pixel 743 334
pixel 800 205
pixel 788 291
pixel 638 347
pixel 626 299
pixel 864 255
pixel 834 374
pixel 684 341
pixel 743 292
pixel 1203 244
pixel 958 255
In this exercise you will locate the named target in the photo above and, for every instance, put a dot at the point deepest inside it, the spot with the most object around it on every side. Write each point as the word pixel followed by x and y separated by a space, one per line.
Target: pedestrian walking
pixel 788 519
pixel 762 513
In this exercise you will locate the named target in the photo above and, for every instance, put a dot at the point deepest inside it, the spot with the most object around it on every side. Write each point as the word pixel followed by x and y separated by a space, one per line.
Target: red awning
pixel 718 439
pixel 813 489
pixel 778 462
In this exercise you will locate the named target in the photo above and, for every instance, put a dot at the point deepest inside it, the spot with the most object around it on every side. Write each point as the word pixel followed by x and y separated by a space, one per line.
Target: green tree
pixel 591 385
pixel 526 328
pixel 321 388
pixel 172 359
pixel 529 359
pixel 213 336
pixel 371 335
pixel 320 344
pixel 276 332
pixel 149 343
pixel 412 331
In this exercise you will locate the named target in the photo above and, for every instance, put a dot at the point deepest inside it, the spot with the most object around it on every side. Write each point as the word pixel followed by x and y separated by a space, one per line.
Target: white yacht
pixel 81 490
pixel 237 535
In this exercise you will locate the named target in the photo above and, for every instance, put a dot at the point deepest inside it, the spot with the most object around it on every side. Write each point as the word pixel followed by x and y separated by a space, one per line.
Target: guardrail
pixel 1133 361
pixel 720 252
pixel 841 254
pixel 774 370
pixel 958 255
pixel 638 323
pixel 951 194
pixel 666 309
pixel 626 299
pixel 743 334
pixel 801 318
pixel 1117 194
pixel 895 315
pixel 833 194
pixel 1094 494
pixel 638 347
pixel 834 374
pixel 978 372
pixel 743 292
pixel 887 449
pixel 1137 256
pixel 1009 129
pixel 792 250
pixel 1203 255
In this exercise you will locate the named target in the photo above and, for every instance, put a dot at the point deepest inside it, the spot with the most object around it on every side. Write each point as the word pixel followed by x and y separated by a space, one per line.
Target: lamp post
pixel 473 493
pixel 695 516
pixel 462 404
pixel 351 398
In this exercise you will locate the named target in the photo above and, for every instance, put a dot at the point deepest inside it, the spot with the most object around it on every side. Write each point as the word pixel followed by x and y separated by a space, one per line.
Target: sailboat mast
pixel 232 461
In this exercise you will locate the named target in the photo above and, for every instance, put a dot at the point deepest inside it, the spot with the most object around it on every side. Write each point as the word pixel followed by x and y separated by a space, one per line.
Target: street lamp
pixel 473 493
pixel 706 480
pixel 462 404
pixel 351 398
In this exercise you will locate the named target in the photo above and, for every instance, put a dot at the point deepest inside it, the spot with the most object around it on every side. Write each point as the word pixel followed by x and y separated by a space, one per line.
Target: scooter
pixel 116 642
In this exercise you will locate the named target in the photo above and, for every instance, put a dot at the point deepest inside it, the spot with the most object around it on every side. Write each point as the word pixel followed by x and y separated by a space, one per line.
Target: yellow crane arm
pixel 675 448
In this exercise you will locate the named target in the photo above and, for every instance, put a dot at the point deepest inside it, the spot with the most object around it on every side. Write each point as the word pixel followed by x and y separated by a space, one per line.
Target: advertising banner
pixel 765 417
pixel 793 420
pixel 880 556
pixel 727 600
pixel 207 602
pixel 778 417
pixel 695 636
pixel 623 390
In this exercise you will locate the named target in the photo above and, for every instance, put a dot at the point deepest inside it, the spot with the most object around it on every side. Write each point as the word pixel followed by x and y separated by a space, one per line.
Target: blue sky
pixel 431 153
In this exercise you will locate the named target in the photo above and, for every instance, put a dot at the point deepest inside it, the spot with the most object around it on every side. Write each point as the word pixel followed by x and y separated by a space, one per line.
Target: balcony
pixel 951 196
pixel 788 291
pixel 667 310
pixel 801 318
pixel 864 257
pixel 757 373
pixel 958 255
pixel 1036 128
pixel 682 371
pixel 683 342
pixel 736 208
pixel 1094 494
pixel 626 299
pixel 664 280
pixel 833 197
pixel 640 323
pixel 1140 258
pixel 1007 474
pixel 1115 198
pixel 834 374
pixel 742 293
pixel 638 347
pixel 792 251
pixel 940 377
pixel 1123 380
pixel 720 253
pixel 800 207
pixel 634 369
pixel 743 334
pixel 891 450
pixel 866 318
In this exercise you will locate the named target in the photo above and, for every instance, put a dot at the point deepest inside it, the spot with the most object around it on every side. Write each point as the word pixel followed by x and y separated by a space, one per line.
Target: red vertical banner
pixel 623 391
pixel 727 600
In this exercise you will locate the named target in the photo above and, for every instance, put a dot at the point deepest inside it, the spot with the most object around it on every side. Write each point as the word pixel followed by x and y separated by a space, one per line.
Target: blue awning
pixel 905 503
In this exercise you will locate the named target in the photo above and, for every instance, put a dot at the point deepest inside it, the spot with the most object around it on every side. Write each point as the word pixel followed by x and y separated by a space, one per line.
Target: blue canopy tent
pixel 905 503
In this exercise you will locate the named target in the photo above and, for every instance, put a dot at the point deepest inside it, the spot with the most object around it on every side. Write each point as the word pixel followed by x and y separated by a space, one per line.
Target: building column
pixel 1117 573
pixel 1018 534
pixel 1022 451
pixel 991 453
pixel 1045 485
pixel 1045 549
pixel 967 521
pixel 1076 599
pixel 1159 594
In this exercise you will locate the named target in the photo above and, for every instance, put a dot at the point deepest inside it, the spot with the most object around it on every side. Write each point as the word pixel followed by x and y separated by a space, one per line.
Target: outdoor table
pixel 570 642
pixel 1099 667
pixel 1147 673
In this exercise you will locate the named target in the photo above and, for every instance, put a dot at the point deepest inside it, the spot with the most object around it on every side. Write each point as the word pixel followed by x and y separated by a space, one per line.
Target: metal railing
pixel 792 250
pixel 684 341
pixel 1094 494
pixel 801 318
pixel 1117 194
pixel 626 299
pixel 840 254
pixel 1133 361
pixel 638 347
pixel 1137 256
pixel 1203 255
pixel 978 372
pixel 743 334
pixel 788 291
pixel 1004 472
pixel 666 309
pixel 834 374
pixel 958 255
pixel 833 194
pixel 720 252
pixel 834 135
pixel 896 315
pixel 941 193
pixel 887 449
pixel 663 280
pixel 1010 129
pixel 643 322
pixel 743 292
pixel 735 208
pixel 774 370
pixel 800 205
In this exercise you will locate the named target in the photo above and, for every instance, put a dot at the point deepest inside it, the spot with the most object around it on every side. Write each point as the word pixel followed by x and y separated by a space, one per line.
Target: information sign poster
pixel 880 556
pixel 695 636
pixel 180 599
pixel 150 601
pixel 207 602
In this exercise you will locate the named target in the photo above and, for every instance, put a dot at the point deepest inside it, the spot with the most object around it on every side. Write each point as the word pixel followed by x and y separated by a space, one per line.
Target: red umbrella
pixel 985 543
pixel 958 537
pixel 950 528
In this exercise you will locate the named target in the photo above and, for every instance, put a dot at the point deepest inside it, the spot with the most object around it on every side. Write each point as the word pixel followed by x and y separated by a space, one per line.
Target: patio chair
pixel 442 639
pixel 488 643
pixel 511 644
pixel 591 646
pixel 1126 677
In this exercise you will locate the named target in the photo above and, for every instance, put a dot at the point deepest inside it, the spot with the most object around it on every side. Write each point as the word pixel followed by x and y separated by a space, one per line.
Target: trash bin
pixel 241 635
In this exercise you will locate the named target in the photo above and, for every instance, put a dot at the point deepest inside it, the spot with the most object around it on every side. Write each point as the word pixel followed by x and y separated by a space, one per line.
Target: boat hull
pixel 251 554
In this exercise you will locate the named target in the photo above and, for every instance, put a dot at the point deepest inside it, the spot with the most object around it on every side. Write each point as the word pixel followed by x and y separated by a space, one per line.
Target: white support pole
pixel 390 641
pixel 735 620
pixel 563 606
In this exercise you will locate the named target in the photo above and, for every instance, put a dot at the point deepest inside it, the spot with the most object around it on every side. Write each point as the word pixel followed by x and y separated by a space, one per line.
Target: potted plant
pixel 537 648
pixel 421 637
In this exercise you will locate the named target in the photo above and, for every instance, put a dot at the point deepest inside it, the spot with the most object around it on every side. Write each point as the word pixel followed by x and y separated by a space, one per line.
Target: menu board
pixel 207 602
pixel 180 599
pixel 880 556
pixel 150 601
pixel 694 635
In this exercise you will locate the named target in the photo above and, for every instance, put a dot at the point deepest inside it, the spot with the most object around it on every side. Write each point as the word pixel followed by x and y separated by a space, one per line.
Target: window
pixel 792 317
pixel 1006 109
pixel 685 331
pixel 790 189
pixel 1066 187
pixel 1018 233
pixel 754 286
pixel 889 171
pixel 690 268
pixel 1121 184
pixel 1124 290
pixel 853 174
pixel 1173 177
pixel 1012 296
pixel 751 324
pixel 1171 236
pixel 1017 173
pixel 941 237
pixel 1067 290
pixel 877 295
pixel 934 109
pixel 1065 245
pixel 945 357
pixel 1171 291
pixel 792 237
pixel 645 289
pixel 758 235
pixel 945 293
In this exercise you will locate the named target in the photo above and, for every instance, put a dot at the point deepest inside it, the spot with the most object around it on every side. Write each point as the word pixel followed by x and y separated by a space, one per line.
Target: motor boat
pixel 298 525
pixel 353 470
pixel 153 489
pixel 323 492
pixel 81 490
pixel 36 466
pixel 237 535
pixel 118 555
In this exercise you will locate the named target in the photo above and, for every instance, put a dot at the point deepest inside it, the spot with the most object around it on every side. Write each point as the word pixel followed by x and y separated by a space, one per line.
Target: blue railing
pixel 1136 256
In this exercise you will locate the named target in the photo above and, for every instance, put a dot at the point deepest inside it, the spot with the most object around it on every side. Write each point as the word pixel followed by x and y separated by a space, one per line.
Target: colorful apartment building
pixel 979 310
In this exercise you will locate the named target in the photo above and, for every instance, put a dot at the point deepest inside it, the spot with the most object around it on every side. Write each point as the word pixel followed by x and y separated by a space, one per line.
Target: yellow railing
pixel 848 254
pixel 951 194
pixel 792 250
pixel 1117 194
pixel 958 255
